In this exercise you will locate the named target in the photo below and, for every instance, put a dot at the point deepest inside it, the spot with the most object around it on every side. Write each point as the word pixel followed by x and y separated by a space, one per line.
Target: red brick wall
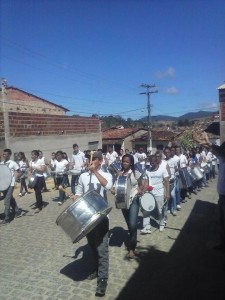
pixel 25 124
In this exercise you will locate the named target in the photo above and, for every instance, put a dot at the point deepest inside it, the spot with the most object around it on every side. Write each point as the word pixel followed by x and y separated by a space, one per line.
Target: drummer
pixel 9 200
pixel 131 214
pixel 60 168
pixel 159 180
pixel 97 239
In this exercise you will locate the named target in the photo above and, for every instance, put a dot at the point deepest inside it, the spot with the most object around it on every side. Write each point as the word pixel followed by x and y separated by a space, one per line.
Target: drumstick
pixel 61 188
pixel 91 157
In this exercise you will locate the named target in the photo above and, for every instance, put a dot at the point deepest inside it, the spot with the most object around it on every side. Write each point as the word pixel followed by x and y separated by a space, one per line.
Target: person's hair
pixel 9 151
pixel 131 162
pixel 59 152
pixel 35 152
pixel 22 155
pixel 75 145
pixel 53 152
pixel 153 158
pixel 167 148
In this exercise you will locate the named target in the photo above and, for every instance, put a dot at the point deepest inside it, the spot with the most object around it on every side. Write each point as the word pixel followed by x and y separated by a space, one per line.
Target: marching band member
pixel 78 161
pixel 24 165
pixel 100 181
pixel 37 167
pixel 131 214
pixel 159 180
pixel 9 200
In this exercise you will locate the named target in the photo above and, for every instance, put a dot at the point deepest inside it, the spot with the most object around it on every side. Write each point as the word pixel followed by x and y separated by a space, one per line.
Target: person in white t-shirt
pixel 100 181
pixel 45 162
pixel 24 165
pixel 78 161
pixel 111 156
pixel 142 157
pixel 9 200
pixel 37 169
pixel 159 180
pixel 60 168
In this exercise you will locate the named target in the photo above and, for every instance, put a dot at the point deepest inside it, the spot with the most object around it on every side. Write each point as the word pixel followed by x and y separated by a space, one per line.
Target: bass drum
pixel 83 215
pixel 185 178
pixel 5 177
pixel 122 192
pixel 147 202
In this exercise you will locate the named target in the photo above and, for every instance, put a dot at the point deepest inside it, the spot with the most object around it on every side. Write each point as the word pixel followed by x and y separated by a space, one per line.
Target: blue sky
pixel 91 56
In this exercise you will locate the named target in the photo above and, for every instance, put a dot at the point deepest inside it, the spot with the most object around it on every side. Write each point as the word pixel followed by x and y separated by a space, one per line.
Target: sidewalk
pixel 38 261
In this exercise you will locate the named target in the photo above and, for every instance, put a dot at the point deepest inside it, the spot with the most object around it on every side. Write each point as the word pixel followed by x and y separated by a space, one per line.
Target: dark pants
pixel 98 242
pixel 9 200
pixel 221 211
pixel 23 185
pixel 74 180
pixel 61 181
pixel 131 218
pixel 38 187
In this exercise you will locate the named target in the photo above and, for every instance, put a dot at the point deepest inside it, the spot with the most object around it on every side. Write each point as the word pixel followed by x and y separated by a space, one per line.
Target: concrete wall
pixel 49 144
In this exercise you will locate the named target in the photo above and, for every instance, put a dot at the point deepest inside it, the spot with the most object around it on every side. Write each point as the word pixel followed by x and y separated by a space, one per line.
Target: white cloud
pixel 169 73
pixel 208 106
pixel 172 91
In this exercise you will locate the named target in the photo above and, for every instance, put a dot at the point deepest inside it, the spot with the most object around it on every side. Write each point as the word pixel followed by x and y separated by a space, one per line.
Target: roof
pixel 160 135
pixel 119 133
pixel 39 98
pixel 221 87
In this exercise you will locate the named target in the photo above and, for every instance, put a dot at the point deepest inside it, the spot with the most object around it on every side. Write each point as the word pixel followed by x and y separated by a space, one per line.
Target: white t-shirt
pixel 111 157
pixel 88 181
pixel 60 166
pixel 13 166
pixel 35 165
pixel 78 159
pixel 182 160
pixel 172 165
pixel 135 157
pixel 142 156
pixel 156 180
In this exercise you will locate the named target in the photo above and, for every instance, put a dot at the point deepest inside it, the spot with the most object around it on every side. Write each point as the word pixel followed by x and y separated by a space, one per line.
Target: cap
pixel 141 149
pixel 98 155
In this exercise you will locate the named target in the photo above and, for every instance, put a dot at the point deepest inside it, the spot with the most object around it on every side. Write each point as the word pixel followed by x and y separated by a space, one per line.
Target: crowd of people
pixel 170 176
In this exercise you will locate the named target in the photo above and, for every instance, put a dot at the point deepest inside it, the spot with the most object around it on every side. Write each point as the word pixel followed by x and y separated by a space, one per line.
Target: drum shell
pixel 115 167
pixel 83 215
pixel 75 171
pixel 5 177
pixel 185 178
pixel 122 191
pixel 197 173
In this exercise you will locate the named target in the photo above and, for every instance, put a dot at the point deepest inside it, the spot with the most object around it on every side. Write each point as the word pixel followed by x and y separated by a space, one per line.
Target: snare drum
pixel 147 202
pixel 5 177
pixel 83 215
pixel 115 167
pixel 122 192
pixel 75 171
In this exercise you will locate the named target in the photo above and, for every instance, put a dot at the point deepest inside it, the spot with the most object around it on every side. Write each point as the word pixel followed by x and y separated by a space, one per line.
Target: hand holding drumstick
pixel 71 196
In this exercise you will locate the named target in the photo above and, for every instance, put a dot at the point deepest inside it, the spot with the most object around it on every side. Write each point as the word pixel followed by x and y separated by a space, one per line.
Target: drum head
pixel 147 202
pixel 5 177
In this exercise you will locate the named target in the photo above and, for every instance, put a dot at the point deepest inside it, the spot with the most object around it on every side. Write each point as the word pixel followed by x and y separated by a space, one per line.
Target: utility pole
pixel 5 112
pixel 148 93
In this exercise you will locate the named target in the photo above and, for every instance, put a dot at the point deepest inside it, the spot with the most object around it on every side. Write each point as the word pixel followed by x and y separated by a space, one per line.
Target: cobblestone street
pixel 38 261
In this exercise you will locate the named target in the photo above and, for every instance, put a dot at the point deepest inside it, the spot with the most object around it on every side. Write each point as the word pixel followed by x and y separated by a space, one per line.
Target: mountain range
pixel 188 116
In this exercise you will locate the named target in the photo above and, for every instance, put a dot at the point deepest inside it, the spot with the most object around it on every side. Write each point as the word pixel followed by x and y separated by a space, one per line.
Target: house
pixel 121 138
pixel 28 122
pixel 129 138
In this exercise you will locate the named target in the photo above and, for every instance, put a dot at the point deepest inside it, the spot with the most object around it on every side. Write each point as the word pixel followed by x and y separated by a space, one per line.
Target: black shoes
pixel 19 213
pixel 101 288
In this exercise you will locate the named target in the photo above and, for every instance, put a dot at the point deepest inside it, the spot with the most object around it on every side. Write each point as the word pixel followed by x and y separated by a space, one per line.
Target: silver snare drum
pixel 5 177
pixel 147 202
pixel 83 215
pixel 122 192
pixel 75 171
